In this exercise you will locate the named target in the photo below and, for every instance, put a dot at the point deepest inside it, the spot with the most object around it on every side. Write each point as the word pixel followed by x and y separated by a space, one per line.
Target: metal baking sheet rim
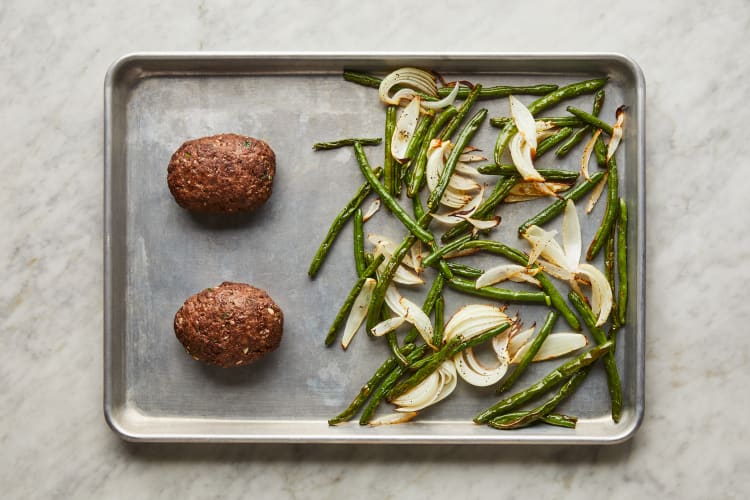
pixel 133 426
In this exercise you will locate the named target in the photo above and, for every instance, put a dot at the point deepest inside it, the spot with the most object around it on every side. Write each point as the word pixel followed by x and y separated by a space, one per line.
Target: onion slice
pixel 469 369
pixel 393 418
pixel 596 193
pixel 498 274
pixel 442 103
pixel 466 170
pixel 412 78
pixel 405 127
pixel 520 153
pixel 470 158
pixel 358 313
pixel 387 326
pixel 601 292
pixel 614 141
pixel 436 154
pixel 402 306
pixel 520 339
pixel 474 319
pixel 537 189
pixel 554 346
pixel 524 122
pixel 371 210
pixel 587 154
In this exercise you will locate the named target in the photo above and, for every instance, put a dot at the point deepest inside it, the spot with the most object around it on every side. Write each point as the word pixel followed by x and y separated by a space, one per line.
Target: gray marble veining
pixel 54 442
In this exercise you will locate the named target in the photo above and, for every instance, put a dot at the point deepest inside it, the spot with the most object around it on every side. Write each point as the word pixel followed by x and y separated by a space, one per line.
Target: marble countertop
pixel 54 441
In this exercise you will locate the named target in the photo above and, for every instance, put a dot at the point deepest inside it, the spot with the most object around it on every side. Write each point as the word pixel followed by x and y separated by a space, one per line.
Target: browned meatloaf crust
pixel 230 325
pixel 227 173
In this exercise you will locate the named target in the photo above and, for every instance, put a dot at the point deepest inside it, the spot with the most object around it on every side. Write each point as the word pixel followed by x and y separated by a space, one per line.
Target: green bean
pixel 557 121
pixel 425 371
pixel 610 211
pixel 388 200
pixel 441 252
pixel 395 349
pixel 413 149
pixel 388 161
pixel 450 165
pixel 346 307
pixel 362 78
pixel 590 119
pixel 609 271
pixel 417 174
pixel 417 207
pixel 365 141
pixel 558 205
pixel 501 91
pixel 388 382
pixel 359 243
pixel 480 339
pixel 485 209
pixel 465 271
pixel 558 302
pixel 516 422
pixel 583 131
pixel 567 92
pixel 552 141
pixel 384 280
pixel 500 294
pixel 556 419
pixel 437 336
pixel 549 381
pixel 610 365
pixel 364 393
pixel 456 120
pixel 622 262
pixel 338 224
pixel 550 174
pixel 436 289
pixel 536 344
pixel 600 151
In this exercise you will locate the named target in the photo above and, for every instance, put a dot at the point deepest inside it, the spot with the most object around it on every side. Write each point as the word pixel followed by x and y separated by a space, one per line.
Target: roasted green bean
pixel 549 174
pixel 536 344
pixel 389 174
pixel 590 119
pixel 501 91
pixel 346 307
pixel 362 78
pixel 610 365
pixel 552 141
pixel 622 262
pixel 548 382
pixel 583 131
pixel 610 211
pixel 557 121
pixel 359 243
pixel 485 209
pixel 461 114
pixel 365 141
pixel 500 294
pixel 558 205
pixel 338 223
pixel 388 200
pixel 417 174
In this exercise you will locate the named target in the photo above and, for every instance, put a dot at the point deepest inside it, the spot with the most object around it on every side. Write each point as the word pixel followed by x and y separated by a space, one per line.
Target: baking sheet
pixel 157 254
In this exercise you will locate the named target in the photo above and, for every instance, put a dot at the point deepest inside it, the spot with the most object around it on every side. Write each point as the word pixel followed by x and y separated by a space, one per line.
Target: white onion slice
pixel 571 235
pixel 420 395
pixel 446 101
pixel 554 346
pixel 520 339
pixel 525 123
pixel 498 274
pixel 358 313
pixel 483 225
pixel 556 271
pixel 474 319
pixel 461 183
pixel 538 238
pixel 470 158
pixel 417 256
pixel 371 210
pixel 601 293
pixel 405 127
pixel 455 199
pixel 393 418
pixel 448 219
pixel 466 170
pixel 515 198
pixel 520 153
pixel 402 306
pixel 387 326
pixel 469 369
pixel 525 278
pixel 614 141
pixel 596 193
pixel 436 161
pixel 413 78
pixel 587 154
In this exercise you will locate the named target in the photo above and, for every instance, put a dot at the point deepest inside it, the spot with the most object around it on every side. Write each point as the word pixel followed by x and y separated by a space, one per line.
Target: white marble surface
pixel 54 442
